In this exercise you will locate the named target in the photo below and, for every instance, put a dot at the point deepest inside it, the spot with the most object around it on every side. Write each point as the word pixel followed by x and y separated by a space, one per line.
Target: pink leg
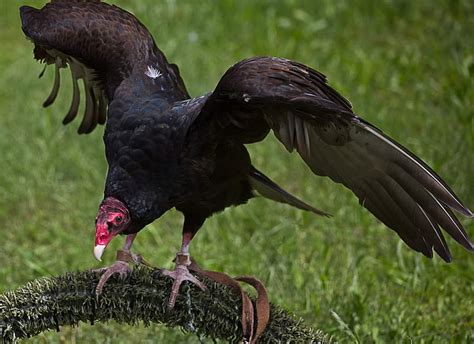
pixel 129 242
pixel 181 272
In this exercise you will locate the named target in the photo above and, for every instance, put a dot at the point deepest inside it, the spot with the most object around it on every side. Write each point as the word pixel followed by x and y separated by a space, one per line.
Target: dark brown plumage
pixel 166 150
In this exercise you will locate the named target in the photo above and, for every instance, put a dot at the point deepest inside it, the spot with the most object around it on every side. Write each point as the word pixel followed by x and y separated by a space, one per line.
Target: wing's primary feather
pixel 308 116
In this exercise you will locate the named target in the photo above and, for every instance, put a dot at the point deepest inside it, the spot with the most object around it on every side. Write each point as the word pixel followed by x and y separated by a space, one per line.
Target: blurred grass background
pixel 407 67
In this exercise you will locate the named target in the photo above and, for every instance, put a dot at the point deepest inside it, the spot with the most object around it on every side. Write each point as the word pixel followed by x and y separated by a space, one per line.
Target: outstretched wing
pixel 305 114
pixel 101 43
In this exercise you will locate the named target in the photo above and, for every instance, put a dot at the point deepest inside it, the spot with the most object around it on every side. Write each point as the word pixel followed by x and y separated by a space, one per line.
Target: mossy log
pixel 48 303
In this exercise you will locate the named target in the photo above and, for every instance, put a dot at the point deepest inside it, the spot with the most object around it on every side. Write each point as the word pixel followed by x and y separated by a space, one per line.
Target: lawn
pixel 407 67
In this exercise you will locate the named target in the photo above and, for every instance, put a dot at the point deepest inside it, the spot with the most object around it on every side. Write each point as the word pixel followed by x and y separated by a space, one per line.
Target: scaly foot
pixel 119 267
pixel 181 274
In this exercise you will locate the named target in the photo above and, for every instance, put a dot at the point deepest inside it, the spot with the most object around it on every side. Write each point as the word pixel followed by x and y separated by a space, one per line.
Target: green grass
pixel 407 67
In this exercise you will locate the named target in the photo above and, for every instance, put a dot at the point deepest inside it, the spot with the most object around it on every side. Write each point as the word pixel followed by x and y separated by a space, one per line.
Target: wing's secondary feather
pixel 103 45
pixel 308 116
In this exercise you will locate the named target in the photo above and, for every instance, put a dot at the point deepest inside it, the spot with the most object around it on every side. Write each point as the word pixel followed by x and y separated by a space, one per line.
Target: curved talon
pixel 180 274
pixel 119 267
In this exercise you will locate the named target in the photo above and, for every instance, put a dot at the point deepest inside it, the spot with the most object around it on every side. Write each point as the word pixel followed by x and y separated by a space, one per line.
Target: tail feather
pixel 269 189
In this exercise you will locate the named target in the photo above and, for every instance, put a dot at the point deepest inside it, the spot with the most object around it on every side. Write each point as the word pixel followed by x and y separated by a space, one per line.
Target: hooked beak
pixel 102 239
pixel 99 251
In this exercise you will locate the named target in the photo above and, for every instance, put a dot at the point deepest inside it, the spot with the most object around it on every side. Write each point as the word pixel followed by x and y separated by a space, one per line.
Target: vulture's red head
pixel 113 218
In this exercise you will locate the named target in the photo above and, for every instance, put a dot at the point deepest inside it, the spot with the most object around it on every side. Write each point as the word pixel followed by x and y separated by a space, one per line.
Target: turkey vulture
pixel 166 150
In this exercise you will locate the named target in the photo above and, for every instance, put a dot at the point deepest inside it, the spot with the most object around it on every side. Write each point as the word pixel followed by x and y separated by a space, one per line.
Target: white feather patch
pixel 152 72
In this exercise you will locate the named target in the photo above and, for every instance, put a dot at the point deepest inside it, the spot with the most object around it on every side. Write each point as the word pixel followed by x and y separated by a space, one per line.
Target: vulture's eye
pixel 118 219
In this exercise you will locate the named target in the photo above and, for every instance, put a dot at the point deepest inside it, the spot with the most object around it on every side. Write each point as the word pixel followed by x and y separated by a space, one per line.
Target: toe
pixel 102 281
pixel 119 267
pixel 167 273
pixel 174 292
pixel 99 270
pixel 196 282
pixel 180 274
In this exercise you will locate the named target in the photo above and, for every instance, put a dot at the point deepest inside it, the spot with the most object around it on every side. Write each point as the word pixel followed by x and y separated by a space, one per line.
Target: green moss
pixel 48 303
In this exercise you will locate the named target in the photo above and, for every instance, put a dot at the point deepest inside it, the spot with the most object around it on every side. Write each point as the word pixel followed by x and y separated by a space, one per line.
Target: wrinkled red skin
pixel 113 218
